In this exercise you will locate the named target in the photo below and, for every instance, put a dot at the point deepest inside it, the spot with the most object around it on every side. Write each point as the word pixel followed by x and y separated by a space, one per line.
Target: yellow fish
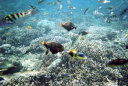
pixel 77 55
pixel 29 27
pixel 9 34
pixel 81 37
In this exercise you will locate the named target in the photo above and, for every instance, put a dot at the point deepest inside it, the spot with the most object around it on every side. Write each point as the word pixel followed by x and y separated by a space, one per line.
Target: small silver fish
pixel 41 1
pixel 86 10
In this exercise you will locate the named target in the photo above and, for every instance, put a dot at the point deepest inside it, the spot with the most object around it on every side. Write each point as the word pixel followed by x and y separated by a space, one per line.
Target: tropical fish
pixel 54 3
pixel 64 74
pixel 41 1
pixel 17 18
pixel 124 11
pixel 29 27
pixel 113 17
pixel 53 47
pixel 72 7
pixel 60 7
pixel 45 13
pixel 84 33
pixel 69 3
pixel 81 37
pixel 117 62
pixel 96 12
pixel 68 26
pixel 76 55
pixel 59 1
pixel 86 10
pixel 103 1
pixel 106 19
pixel 9 33
pixel 109 8
pixel 36 20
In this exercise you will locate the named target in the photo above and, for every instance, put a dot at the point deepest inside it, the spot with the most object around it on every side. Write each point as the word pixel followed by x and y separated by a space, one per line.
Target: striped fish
pixel 17 18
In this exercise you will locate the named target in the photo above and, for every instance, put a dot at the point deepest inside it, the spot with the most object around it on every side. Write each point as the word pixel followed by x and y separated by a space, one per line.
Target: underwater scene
pixel 63 42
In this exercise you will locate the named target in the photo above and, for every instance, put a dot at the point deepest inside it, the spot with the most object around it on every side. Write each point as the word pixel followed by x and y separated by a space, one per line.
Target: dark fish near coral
pixel 53 47
pixel 84 33
pixel 68 26
pixel 17 18
pixel 86 10
pixel 117 62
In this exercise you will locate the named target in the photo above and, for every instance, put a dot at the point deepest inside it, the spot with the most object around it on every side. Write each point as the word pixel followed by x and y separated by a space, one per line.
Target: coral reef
pixel 97 46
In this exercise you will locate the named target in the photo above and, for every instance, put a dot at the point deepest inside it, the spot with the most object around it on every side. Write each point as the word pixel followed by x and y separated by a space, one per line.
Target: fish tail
pixel 88 32
pixel 61 24
pixel 85 61
pixel 43 43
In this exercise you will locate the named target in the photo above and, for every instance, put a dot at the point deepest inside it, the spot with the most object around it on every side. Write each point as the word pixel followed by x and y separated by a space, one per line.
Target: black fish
pixel 84 33
pixel 117 62
pixel 109 8
pixel 41 1
pixel 86 10
pixel 68 26
pixel 53 46
pixel 124 11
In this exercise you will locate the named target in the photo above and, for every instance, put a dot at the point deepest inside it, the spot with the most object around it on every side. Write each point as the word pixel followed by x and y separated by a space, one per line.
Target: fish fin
pixel 85 61
pixel 61 25
pixel 43 43
pixel 73 58
pixel 46 52
pixel 80 58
